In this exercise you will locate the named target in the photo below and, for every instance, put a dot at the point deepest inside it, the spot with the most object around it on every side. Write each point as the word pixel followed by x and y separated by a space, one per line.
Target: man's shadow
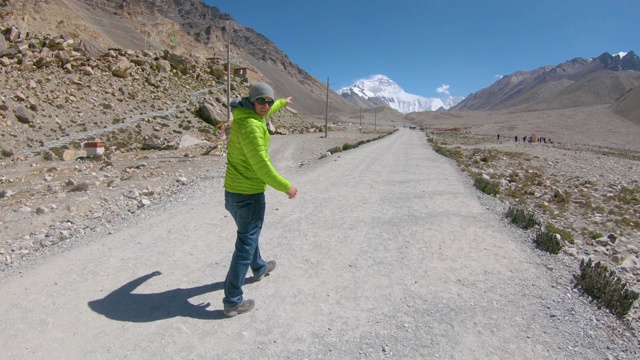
pixel 123 305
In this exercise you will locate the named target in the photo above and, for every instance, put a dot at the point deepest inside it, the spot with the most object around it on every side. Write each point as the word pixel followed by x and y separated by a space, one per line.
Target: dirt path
pixel 387 252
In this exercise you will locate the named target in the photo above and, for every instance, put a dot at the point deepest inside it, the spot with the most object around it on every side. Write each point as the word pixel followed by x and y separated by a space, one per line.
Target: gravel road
pixel 388 251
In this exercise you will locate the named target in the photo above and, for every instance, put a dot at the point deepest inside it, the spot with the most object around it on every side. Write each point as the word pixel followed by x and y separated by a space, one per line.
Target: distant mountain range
pixel 379 90
pixel 574 83
pixel 202 32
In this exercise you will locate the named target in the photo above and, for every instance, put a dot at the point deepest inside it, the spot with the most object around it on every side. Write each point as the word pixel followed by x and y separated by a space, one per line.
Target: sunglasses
pixel 262 101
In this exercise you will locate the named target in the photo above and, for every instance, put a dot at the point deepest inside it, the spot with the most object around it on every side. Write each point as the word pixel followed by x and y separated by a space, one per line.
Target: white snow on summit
pixel 388 91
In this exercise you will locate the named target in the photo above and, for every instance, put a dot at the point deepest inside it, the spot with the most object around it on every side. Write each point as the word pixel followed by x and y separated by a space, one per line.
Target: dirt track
pixel 387 251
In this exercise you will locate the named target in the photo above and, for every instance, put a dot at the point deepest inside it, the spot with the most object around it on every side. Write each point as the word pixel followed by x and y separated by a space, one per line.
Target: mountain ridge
pixel 201 31
pixel 574 83
pixel 380 90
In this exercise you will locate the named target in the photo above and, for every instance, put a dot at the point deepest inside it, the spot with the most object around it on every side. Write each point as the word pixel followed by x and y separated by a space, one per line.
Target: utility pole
pixel 229 81
pixel 375 118
pixel 326 116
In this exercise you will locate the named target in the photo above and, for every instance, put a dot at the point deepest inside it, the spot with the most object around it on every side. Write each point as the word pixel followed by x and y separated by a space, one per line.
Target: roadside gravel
pixel 388 251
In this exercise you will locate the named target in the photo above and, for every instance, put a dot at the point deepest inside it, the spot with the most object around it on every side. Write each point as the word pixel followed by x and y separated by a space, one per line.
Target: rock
pixel 3 44
pixel 69 155
pixel 571 251
pixel 122 69
pixel 23 115
pixel 188 140
pixel 153 82
pixel 182 64
pixel 601 250
pixel 43 61
pixel 617 259
pixel 270 127
pixel 92 48
pixel 210 114
pixel 133 194
pixel 87 70
pixel 631 262
pixel 182 181
pixel 163 66
pixel 49 155
pixel 6 193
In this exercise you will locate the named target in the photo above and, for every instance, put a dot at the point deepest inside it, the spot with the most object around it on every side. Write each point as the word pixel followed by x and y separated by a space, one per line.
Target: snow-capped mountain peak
pixel 381 89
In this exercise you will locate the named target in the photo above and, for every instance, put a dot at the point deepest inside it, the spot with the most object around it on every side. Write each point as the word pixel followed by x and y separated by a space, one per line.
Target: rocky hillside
pixel 575 83
pixel 58 91
pixel 189 28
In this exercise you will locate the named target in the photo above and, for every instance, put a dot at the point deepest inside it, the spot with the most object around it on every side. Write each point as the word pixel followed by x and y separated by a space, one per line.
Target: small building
pixel 94 148
pixel 247 73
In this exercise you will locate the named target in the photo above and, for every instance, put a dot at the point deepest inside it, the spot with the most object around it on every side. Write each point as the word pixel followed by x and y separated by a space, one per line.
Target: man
pixel 249 171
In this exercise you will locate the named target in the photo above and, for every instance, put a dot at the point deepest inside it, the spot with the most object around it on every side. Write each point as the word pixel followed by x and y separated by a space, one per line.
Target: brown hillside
pixel 575 83
pixel 628 105
pixel 599 88
pixel 186 27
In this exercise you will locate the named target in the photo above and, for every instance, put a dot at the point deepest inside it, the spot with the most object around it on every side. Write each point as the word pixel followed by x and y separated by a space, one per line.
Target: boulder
pixel 23 115
pixel 122 68
pixel 210 114
pixel 163 66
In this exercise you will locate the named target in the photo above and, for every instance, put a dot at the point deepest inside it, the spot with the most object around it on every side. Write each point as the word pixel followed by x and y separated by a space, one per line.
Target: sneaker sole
pixel 248 306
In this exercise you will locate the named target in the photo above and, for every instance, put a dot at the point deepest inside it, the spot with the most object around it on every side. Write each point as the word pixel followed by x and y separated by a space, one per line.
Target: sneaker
pixel 246 306
pixel 271 265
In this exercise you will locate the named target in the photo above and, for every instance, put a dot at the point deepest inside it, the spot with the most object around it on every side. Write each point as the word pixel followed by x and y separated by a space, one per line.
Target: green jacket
pixel 249 168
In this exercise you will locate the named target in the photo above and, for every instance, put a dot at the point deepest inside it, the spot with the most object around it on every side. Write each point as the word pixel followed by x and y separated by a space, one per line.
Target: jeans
pixel 248 213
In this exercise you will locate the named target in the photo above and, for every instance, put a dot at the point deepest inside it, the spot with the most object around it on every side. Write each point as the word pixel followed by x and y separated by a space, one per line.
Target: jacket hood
pixel 245 103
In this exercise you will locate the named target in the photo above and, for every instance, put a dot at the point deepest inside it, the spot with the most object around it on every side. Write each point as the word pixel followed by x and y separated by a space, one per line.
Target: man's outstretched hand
pixel 292 192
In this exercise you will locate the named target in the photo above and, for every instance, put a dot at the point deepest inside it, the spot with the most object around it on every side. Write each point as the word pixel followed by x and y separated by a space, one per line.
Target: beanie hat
pixel 260 90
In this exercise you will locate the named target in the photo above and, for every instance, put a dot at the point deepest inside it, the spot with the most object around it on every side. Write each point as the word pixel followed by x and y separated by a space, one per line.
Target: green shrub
pixel 603 285
pixel 566 236
pixel 347 146
pixel 334 150
pixel 455 154
pixel 522 218
pixel 6 153
pixel 547 241
pixel 595 235
pixel 486 186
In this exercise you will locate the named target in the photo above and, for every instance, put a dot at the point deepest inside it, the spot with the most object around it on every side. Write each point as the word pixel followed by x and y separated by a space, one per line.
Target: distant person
pixel 498 137
pixel 515 138
pixel 249 171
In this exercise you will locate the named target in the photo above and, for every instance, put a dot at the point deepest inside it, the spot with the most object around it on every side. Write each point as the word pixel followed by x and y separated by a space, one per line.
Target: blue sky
pixel 458 46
